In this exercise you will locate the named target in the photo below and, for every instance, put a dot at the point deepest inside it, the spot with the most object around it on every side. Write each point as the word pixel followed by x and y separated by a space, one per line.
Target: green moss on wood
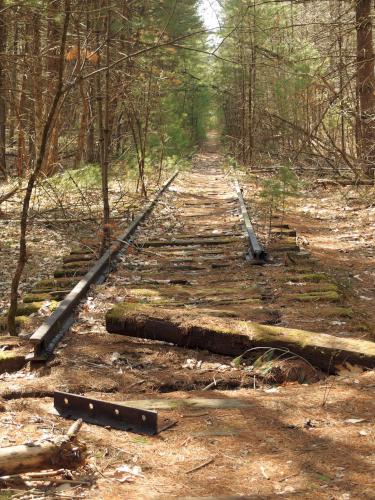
pixel 79 258
pixel 30 308
pixel 81 250
pixel 11 361
pixel 232 337
pixel 324 287
pixel 341 312
pixel 80 264
pixel 7 355
pixel 309 277
pixel 51 292
pixel 33 307
pixel 36 297
pixel 123 308
pixel 329 296
pixel 21 322
pixel 61 273
pixel 56 283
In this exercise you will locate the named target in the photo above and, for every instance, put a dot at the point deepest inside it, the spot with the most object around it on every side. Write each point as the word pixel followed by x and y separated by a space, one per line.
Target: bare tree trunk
pixel 365 86
pixel 252 81
pixel 84 111
pixel 104 132
pixel 52 71
pixel 13 84
pixel 107 135
pixel 340 41
pixel 3 35
pixel 91 154
pixel 83 125
pixel 22 255
pixel 21 125
pixel 37 72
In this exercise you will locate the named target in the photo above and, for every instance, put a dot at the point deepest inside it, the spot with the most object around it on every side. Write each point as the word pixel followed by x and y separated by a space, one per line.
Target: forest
pixel 187 261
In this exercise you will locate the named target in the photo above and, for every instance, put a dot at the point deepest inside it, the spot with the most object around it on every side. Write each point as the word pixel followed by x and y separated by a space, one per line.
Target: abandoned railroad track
pixel 188 316
pixel 196 263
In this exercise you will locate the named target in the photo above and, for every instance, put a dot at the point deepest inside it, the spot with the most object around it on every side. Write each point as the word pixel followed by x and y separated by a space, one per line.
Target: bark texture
pixel 3 168
pixel 365 86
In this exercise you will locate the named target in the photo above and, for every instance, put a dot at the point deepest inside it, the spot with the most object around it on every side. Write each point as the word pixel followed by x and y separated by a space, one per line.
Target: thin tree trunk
pixel 365 86
pixel 52 71
pixel 37 70
pixel 21 155
pixel 3 37
pixel 107 135
pixel 104 132
pixel 13 83
pixel 22 255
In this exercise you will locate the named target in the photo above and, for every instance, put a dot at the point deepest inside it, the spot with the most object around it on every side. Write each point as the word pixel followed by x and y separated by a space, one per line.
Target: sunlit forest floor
pixel 65 209
pixel 336 225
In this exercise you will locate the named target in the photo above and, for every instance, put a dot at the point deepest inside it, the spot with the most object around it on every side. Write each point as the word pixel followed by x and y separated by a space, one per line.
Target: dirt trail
pixel 295 441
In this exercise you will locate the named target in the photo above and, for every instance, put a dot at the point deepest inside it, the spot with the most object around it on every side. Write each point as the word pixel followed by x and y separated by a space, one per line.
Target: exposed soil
pixel 253 430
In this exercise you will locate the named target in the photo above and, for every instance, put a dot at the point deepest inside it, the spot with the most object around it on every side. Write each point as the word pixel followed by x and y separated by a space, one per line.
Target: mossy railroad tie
pixel 64 273
pixel 79 257
pixel 312 287
pixel 21 322
pixel 51 291
pixel 26 309
pixel 11 361
pixel 285 241
pixel 303 284
pixel 233 337
pixel 42 295
pixel 55 283
pixel 317 296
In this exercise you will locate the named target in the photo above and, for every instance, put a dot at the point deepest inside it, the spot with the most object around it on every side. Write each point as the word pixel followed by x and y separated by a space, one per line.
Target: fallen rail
pixel 256 252
pixel 46 337
pixel 115 415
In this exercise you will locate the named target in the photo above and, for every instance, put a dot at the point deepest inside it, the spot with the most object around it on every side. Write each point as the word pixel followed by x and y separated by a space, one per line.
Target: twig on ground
pixel 138 382
pixel 200 466
pixel 328 388
pixel 192 415
pixel 212 384
pixel 264 474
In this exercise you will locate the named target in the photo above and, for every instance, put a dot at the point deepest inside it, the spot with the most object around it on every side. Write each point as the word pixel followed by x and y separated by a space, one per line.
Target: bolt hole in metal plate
pixel 114 415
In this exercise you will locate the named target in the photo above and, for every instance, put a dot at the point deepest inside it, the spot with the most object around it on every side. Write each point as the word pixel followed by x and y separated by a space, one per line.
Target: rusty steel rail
pixel 257 254
pixel 115 415
pixel 49 333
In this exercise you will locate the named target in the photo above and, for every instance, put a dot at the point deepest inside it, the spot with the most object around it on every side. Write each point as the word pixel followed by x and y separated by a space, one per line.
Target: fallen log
pixel 233 337
pixel 8 195
pixel 60 451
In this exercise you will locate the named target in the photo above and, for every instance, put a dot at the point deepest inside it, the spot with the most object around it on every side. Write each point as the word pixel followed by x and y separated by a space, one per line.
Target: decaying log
pixel 233 337
pixel 8 195
pixel 59 451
